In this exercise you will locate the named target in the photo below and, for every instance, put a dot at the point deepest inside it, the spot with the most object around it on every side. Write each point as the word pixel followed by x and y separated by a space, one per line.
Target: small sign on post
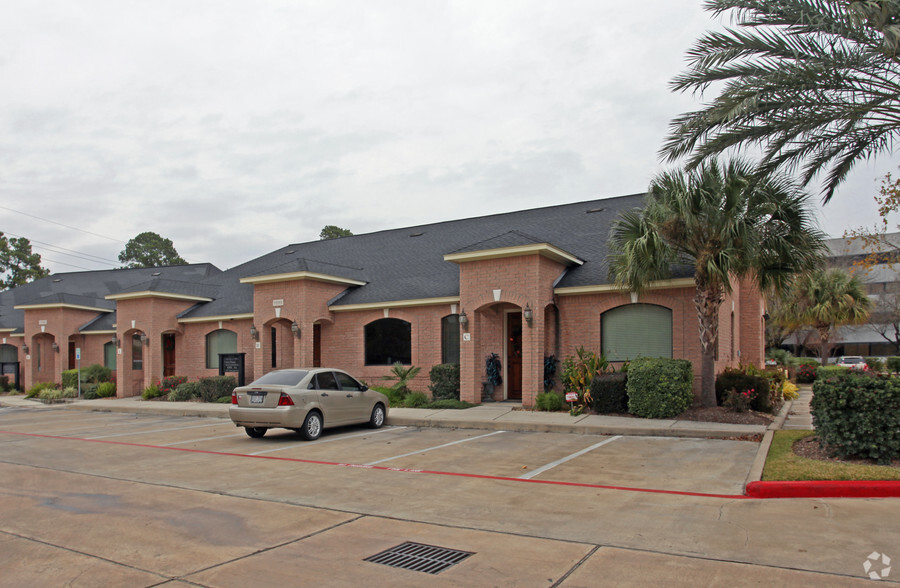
pixel 232 362
pixel 78 359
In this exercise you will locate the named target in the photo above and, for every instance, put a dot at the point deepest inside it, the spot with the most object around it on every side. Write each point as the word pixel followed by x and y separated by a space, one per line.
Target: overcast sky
pixel 238 127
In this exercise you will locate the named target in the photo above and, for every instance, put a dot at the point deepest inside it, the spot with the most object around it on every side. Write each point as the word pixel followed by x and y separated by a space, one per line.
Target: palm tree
pixel 824 300
pixel 811 82
pixel 722 223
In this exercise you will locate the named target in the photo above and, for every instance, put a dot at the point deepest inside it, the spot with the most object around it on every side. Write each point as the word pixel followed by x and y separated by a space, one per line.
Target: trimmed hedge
pixel 215 387
pixel 550 401
pixel 185 391
pixel 659 388
pixel 893 364
pixel 610 393
pixel 857 415
pixel 444 381
pixel 69 379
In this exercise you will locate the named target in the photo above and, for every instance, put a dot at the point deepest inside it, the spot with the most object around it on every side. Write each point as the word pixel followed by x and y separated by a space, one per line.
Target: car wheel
pixel 256 432
pixel 312 426
pixel 377 418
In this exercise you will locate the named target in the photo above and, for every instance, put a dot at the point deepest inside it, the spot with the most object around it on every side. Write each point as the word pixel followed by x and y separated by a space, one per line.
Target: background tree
pixel 333 232
pixel 811 82
pixel 879 242
pixel 18 264
pixel 824 300
pixel 725 223
pixel 885 318
pixel 150 250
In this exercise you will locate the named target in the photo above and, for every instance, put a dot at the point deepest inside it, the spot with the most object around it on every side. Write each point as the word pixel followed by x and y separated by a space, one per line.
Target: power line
pixel 62 250
pixel 62 225
pixel 68 264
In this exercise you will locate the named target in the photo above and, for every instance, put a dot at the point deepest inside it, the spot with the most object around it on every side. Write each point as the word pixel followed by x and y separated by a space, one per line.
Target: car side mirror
pixel 363 388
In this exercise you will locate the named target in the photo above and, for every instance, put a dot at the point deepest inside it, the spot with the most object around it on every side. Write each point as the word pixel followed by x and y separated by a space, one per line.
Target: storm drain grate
pixel 420 558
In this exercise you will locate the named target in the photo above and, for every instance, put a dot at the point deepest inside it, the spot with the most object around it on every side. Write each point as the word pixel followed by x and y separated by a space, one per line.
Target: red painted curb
pixel 825 489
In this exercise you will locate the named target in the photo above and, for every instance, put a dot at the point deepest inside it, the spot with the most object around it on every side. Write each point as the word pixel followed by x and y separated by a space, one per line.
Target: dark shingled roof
pixel 397 264
pixel 89 285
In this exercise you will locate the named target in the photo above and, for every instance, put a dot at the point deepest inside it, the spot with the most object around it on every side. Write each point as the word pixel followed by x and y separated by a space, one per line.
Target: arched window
pixel 636 330
pixel 8 353
pixel 109 355
pixel 221 341
pixel 388 341
pixel 450 339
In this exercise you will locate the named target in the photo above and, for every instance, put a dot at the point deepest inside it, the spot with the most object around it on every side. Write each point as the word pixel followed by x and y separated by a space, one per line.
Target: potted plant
pixel 493 368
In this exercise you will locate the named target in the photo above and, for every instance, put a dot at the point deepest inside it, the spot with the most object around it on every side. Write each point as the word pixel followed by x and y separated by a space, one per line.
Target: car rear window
pixel 853 360
pixel 291 378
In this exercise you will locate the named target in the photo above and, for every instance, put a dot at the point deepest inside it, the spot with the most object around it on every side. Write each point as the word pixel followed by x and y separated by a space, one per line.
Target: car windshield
pixel 284 378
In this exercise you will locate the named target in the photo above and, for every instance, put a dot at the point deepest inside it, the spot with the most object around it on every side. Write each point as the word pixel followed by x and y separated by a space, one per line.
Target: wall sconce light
pixel 145 339
pixel 528 314
pixel 463 319
pixel 254 334
pixel 115 340
pixel 24 348
pixel 295 329
pixel 55 346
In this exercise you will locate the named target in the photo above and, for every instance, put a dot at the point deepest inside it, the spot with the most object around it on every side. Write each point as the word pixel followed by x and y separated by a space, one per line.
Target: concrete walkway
pixel 494 416
pixel 799 417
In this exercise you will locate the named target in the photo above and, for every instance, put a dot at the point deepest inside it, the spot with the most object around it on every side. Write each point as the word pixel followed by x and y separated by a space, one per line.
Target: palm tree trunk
pixel 707 301
pixel 824 343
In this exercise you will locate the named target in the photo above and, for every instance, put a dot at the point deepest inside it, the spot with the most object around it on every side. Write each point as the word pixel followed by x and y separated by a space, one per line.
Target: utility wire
pixel 68 264
pixel 62 225
pixel 62 250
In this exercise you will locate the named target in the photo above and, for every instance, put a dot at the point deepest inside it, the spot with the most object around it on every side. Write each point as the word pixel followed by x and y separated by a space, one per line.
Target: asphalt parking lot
pixel 113 498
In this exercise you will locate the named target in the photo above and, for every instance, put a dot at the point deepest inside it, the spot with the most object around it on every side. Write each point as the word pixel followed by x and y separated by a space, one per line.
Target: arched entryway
pixel 277 338
pixel 43 351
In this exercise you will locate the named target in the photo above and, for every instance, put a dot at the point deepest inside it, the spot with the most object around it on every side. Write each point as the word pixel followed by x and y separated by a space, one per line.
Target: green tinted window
pixel 636 330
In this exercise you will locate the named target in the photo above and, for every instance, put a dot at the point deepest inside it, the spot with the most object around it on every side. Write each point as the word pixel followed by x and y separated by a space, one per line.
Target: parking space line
pixel 320 441
pixel 154 431
pixel 390 469
pixel 202 439
pixel 553 464
pixel 371 463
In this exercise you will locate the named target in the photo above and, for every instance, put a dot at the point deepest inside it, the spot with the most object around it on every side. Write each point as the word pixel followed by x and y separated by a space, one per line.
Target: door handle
pixel 324 393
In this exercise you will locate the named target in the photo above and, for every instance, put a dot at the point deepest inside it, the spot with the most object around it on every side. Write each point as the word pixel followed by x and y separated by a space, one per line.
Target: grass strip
pixel 783 464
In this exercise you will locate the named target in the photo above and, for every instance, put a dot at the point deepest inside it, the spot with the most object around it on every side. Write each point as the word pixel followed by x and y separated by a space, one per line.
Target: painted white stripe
pixel 156 431
pixel 433 448
pixel 328 440
pixel 552 465
pixel 202 439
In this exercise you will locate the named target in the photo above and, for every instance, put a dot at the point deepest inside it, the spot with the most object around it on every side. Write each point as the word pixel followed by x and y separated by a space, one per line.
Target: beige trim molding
pixel 221 317
pixel 22 335
pixel 149 294
pixel 545 249
pixel 396 304
pixel 107 332
pixel 292 276
pixel 607 288
pixel 60 305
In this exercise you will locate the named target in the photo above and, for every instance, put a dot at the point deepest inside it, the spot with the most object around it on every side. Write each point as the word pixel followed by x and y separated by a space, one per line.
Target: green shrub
pixel 96 374
pixel 4 384
pixel 579 370
pixel 169 383
pixel 550 401
pixel 70 379
pixel 415 400
pixel 781 356
pixel 89 388
pixel 739 401
pixel 823 371
pixel 444 381
pixel 91 395
pixel 215 387
pixel 106 389
pixel 875 363
pixel 395 397
pixel 186 391
pixel 38 388
pixel 610 393
pixel 746 379
pixel 659 388
pixel 57 394
pixel 893 364
pixel 857 415
pixel 449 403
pixel 150 392
pixel 806 371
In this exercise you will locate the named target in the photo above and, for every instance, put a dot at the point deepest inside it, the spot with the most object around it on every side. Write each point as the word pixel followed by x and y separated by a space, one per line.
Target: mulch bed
pixel 720 414
pixel 809 448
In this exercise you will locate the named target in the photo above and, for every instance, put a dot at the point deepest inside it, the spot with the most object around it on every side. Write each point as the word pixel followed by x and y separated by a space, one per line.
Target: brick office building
pixel 524 285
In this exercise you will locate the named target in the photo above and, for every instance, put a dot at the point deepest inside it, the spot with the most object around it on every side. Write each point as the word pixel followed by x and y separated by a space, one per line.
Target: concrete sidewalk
pixel 495 416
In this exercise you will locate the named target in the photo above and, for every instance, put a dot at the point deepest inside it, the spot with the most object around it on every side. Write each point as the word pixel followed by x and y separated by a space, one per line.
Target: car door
pixel 331 398
pixel 358 405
